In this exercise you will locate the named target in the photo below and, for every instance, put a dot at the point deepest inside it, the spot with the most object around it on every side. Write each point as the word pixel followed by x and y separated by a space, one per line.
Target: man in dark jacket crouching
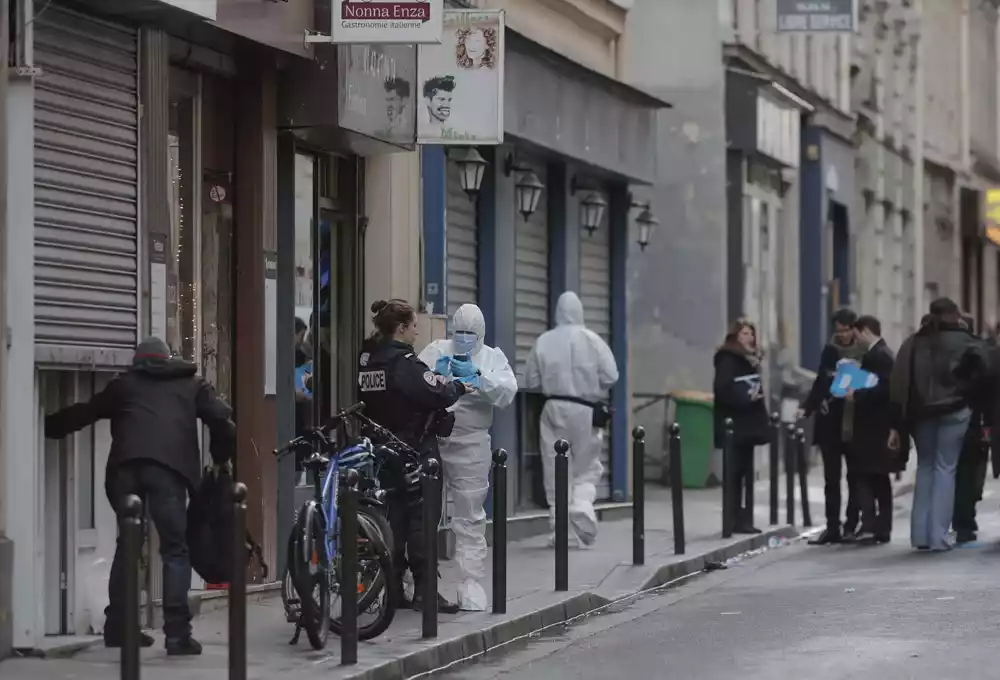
pixel 154 410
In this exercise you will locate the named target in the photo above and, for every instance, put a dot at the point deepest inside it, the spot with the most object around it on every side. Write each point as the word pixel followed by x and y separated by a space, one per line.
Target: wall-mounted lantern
pixel 528 189
pixel 592 211
pixel 472 168
pixel 647 222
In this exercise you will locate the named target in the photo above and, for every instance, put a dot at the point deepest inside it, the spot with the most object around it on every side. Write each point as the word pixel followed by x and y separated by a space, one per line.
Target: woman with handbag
pixel 740 396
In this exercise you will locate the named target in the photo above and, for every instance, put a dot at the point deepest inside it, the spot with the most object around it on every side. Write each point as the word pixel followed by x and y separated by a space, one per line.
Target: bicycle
pixel 314 549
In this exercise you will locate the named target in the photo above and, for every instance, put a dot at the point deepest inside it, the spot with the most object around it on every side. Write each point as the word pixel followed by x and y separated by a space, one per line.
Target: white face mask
pixel 464 342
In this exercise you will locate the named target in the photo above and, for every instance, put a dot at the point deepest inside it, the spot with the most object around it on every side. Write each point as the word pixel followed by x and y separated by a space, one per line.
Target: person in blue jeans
pixel 932 379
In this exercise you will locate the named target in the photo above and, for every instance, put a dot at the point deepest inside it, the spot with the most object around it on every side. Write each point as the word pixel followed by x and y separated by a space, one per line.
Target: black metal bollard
pixel 639 495
pixel 562 515
pixel 729 490
pixel 789 445
pixel 130 526
pixel 775 446
pixel 431 490
pixel 500 531
pixel 677 487
pixel 238 587
pixel 803 470
pixel 348 512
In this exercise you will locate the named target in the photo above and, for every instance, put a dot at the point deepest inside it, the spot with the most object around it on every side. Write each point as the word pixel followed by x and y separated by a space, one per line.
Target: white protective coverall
pixel 572 361
pixel 466 455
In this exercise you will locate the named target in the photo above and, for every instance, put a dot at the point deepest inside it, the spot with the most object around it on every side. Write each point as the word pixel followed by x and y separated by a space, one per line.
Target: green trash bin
pixel 693 412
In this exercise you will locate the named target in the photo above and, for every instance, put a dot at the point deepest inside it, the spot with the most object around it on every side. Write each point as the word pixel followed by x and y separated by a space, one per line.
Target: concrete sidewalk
pixel 598 575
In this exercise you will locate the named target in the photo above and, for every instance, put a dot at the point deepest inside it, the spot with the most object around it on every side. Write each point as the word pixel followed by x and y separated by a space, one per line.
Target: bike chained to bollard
pixel 130 526
pixel 795 463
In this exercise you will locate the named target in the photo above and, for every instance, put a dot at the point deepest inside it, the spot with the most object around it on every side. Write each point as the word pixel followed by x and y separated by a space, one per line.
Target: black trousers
pixel 405 513
pixel 875 498
pixel 970 477
pixel 834 460
pixel 742 485
pixel 164 495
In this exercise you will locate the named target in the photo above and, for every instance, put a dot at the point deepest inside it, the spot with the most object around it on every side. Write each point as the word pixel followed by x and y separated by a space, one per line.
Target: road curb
pixel 447 652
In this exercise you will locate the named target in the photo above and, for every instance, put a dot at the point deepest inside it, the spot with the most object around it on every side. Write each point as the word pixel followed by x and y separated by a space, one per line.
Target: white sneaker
pixel 583 520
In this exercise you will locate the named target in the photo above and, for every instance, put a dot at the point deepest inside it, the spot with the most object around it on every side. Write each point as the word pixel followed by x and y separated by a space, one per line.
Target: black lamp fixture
pixel 592 206
pixel 528 189
pixel 472 168
pixel 646 221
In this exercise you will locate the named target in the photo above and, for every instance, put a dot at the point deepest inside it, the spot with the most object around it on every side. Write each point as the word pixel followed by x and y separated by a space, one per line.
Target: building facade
pixel 580 137
pixel 186 184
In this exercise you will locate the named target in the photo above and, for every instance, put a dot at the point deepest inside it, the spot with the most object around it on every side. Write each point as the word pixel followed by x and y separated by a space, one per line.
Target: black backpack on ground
pixel 210 530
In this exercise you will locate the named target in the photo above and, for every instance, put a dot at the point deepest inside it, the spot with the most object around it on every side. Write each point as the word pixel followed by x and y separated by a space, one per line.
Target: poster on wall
pixel 387 21
pixel 460 81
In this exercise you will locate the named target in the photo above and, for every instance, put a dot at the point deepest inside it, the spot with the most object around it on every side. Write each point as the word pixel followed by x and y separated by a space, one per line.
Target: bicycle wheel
pixel 289 595
pixel 312 582
pixel 377 588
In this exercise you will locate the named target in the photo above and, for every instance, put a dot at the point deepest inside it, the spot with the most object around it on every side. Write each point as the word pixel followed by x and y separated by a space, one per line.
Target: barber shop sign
pixel 387 21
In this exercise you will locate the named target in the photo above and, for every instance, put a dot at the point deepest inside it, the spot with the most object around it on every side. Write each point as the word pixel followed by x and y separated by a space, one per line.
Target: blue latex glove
pixel 471 381
pixel 463 369
pixel 443 366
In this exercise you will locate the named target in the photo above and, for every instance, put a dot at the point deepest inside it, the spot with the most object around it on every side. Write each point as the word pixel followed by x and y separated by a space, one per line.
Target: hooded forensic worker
pixel 574 368
pixel 466 455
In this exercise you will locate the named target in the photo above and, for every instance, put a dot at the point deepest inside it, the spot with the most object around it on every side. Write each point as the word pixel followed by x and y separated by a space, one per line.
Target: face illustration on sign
pixel 397 98
pixel 437 96
pixel 475 48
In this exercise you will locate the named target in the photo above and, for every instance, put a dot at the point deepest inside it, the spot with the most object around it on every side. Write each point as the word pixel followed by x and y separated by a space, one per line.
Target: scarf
pixel 854 352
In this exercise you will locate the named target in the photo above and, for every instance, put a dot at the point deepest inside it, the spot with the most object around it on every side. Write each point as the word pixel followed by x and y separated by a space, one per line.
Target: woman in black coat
pixel 740 396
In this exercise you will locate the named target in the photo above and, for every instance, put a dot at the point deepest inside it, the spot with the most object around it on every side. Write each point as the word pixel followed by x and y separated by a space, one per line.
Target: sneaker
pixel 866 537
pixel 186 646
pixel 114 641
pixel 827 537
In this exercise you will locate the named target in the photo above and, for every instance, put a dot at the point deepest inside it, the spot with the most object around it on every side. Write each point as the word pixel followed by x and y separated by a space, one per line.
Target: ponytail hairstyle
pixel 389 316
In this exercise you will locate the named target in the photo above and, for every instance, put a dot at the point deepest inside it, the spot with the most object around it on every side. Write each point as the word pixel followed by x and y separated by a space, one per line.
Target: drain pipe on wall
pixel 6 547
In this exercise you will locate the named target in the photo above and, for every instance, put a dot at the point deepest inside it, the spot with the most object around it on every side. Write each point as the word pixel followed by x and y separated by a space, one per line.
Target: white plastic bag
pixel 97 593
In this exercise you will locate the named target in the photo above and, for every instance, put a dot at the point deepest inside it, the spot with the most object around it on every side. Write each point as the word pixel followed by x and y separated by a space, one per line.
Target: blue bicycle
pixel 314 548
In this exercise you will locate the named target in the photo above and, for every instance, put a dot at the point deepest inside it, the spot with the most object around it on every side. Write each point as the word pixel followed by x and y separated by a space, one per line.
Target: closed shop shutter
pixel 86 181
pixel 595 294
pixel 462 244
pixel 531 273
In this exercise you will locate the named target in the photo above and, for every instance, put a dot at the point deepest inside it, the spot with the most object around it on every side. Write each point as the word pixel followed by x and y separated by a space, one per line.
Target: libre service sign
pixel 387 21
pixel 460 81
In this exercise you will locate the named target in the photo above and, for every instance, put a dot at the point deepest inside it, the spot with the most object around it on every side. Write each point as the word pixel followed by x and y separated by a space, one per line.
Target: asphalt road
pixel 823 613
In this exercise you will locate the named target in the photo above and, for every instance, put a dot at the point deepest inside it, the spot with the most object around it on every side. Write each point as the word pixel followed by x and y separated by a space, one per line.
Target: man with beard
pixel 834 419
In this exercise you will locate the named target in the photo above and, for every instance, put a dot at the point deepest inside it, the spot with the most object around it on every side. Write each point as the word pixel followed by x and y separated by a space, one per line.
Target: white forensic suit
pixel 572 361
pixel 466 455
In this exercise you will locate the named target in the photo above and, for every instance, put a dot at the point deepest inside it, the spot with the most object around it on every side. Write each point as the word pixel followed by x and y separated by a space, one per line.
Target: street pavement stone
pixel 598 575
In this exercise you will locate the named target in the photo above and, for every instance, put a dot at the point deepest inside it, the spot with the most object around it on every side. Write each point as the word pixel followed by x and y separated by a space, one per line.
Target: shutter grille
pixel 595 294
pixel 462 245
pixel 86 181
pixel 531 272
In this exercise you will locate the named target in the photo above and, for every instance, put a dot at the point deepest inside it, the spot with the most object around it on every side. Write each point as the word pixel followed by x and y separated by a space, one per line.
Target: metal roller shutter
pixel 595 294
pixel 86 181
pixel 531 273
pixel 462 244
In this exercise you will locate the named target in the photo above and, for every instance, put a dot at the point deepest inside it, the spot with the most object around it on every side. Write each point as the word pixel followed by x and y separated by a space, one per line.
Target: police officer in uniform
pixel 404 396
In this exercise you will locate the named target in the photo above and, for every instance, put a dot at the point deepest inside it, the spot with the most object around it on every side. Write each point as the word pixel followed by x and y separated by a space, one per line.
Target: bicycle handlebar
pixel 353 410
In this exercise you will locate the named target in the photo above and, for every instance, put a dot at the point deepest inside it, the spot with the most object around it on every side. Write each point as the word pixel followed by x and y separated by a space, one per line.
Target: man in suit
pixel 871 458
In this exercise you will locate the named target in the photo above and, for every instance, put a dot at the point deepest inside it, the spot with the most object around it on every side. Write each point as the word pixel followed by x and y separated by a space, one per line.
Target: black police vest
pixel 385 403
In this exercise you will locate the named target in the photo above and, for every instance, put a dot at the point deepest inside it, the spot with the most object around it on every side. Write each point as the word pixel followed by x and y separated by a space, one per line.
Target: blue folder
pixel 850 376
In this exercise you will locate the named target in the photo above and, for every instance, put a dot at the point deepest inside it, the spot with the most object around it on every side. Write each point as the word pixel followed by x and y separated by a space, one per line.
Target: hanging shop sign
pixel 992 212
pixel 376 91
pixel 461 81
pixel 816 16
pixel 387 21
pixel 203 8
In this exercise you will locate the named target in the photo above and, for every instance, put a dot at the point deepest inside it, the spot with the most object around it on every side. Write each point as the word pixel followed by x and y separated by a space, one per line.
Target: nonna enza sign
pixel 387 21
